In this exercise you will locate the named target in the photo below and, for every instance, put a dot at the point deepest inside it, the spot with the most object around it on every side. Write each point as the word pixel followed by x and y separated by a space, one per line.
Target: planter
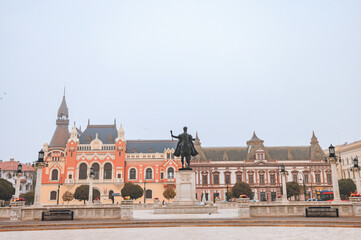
pixel 355 199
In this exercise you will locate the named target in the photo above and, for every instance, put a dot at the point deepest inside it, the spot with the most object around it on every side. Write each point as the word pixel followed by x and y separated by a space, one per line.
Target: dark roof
pixel 106 133
pixel 150 146
pixel 233 153
pixel 255 138
pixel 63 109
pixel 289 153
pixel 60 136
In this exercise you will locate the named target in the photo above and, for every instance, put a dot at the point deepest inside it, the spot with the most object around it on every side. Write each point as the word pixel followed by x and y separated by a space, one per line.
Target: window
pixel 149 173
pixel 305 178
pixel 54 174
pixel 70 176
pixel 204 179
pixel 239 178
pixel 261 179
pixel 318 178
pixel 53 195
pixel 227 178
pixel 148 193
pixel 262 196
pixel 168 155
pixel 216 179
pixel 110 196
pixel 161 175
pixel 295 177
pixel 273 196
pixel 170 173
pixel 83 171
pixel 132 174
pixel 119 175
pixel 250 178
pixel 329 179
pixel 272 178
pixel 107 171
pixel 96 167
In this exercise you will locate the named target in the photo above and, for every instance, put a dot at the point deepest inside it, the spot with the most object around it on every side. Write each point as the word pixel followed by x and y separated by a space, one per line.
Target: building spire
pixel 63 112
pixel 197 141
pixel 314 138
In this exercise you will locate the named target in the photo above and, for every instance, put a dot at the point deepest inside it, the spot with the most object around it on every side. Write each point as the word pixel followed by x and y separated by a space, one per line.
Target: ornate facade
pixel 152 165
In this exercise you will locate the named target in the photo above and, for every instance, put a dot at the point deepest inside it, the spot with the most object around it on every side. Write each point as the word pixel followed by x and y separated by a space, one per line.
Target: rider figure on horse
pixel 185 147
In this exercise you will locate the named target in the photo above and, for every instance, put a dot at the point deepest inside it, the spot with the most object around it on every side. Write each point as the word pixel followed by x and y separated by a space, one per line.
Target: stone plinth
pixel 186 209
pixel 186 188
pixel 126 210
pixel 15 214
pixel 243 208
pixel 185 201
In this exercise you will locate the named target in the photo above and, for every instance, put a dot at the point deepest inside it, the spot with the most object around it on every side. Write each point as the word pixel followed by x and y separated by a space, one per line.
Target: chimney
pixel 12 159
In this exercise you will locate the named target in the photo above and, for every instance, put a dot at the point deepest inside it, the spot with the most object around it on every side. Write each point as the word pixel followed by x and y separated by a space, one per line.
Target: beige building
pixel 348 152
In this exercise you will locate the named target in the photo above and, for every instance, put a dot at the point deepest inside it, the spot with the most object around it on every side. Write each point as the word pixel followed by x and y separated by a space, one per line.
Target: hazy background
pixel 223 68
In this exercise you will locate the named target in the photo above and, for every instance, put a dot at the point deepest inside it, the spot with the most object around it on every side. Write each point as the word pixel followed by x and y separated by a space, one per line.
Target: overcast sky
pixel 223 68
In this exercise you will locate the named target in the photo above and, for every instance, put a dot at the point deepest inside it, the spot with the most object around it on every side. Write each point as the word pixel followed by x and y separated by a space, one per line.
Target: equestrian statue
pixel 185 148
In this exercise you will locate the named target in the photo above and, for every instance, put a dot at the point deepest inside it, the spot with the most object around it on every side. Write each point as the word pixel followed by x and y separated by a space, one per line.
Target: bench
pixel 57 214
pixel 321 212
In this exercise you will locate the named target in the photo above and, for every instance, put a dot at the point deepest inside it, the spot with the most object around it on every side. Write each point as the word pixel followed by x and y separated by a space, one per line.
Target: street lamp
pixel 284 187
pixel 356 173
pixel 59 183
pixel 39 165
pixel 19 173
pixel 91 176
pixel 332 159
pixel 304 185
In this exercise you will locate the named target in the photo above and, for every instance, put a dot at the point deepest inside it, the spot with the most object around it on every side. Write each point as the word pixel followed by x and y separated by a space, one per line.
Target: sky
pixel 222 68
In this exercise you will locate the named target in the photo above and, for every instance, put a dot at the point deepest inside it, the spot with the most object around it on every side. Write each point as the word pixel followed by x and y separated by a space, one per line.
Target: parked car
pixel 311 200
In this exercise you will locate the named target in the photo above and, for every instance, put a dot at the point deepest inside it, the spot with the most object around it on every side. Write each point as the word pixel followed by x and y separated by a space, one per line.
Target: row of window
pixel 261 179
pixel 149 173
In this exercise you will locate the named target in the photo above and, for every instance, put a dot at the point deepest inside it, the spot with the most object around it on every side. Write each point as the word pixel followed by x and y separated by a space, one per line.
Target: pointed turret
pixel 61 134
pixel 197 141
pixel 316 152
pixel 253 145
pixel 121 134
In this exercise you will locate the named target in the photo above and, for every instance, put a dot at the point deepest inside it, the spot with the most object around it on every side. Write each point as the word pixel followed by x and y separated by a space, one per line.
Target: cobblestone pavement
pixel 208 233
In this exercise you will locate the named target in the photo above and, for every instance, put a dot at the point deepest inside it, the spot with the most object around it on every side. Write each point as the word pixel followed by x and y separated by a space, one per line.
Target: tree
pixel 169 193
pixel 82 193
pixel 132 190
pixel 6 190
pixel 68 196
pixel 240 189
pixel 293 189
pixel 347 186
pixel 28 197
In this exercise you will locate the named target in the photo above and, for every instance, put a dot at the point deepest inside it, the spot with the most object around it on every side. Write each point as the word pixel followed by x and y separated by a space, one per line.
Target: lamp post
pixel 356 174
pixel 145 190
pixel 332 160
pixel 59 183
pixel 284 182
pixel 304 186
pixel 227 197
pixel 19 173
pixel 39 165
pixel 91 177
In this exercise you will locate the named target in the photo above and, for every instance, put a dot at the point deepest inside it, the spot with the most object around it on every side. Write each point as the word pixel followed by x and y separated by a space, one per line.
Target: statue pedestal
pixel 185 201
pixel 186 188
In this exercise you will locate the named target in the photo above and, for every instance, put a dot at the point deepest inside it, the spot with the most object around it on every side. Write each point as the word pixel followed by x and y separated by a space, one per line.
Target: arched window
pixel 96 167
pixel 170 173
pixel 54 174
pixel 149 174
pixel 148 193
pixel 110 194
pixel 132 174
pixel 53 195
pixel 83 171
pixel 107 171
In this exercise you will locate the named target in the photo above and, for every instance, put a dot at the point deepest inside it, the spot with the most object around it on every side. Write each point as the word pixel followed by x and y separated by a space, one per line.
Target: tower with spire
pixel 61 133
